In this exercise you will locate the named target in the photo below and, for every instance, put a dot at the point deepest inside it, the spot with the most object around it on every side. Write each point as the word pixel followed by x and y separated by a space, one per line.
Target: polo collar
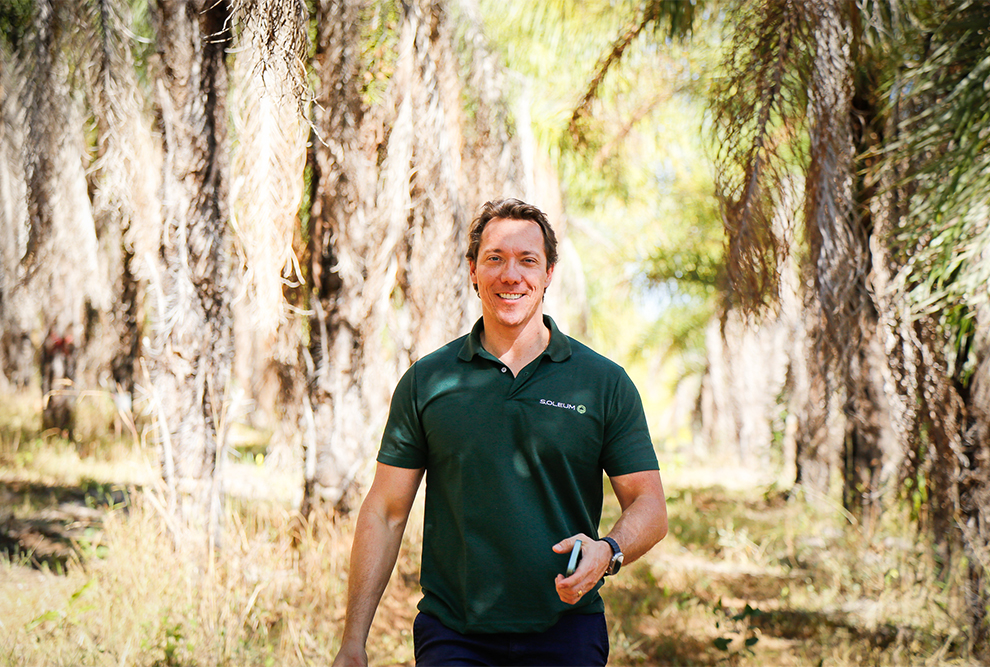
pixel 559 348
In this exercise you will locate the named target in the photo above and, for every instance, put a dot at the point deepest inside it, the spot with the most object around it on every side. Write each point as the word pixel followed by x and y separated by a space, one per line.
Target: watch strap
pixel 616 562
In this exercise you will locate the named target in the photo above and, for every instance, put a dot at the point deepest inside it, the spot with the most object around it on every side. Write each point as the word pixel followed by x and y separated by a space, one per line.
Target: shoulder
pixel 440 362
pixel 440 357
pixel 593 369
pixel 584 356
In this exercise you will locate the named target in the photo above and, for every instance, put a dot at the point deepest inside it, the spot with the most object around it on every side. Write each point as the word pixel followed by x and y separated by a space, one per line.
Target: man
pixel 512 425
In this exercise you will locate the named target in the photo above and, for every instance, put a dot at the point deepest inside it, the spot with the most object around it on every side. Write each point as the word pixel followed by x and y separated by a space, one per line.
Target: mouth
pixel 510 297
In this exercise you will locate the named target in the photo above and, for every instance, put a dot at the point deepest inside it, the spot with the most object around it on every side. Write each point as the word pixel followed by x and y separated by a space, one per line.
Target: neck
pixel 516 347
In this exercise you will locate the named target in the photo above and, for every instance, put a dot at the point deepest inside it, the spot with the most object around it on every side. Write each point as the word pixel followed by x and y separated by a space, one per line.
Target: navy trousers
pixel 576 640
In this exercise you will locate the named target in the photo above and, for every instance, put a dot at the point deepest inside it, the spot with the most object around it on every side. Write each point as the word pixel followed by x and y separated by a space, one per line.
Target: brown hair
pixel 511 209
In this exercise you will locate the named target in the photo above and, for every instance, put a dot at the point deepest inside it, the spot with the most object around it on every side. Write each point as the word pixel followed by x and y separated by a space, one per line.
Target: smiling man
pixel 513 426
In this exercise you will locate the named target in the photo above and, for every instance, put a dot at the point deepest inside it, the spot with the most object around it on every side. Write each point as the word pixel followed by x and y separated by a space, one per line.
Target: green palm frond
pixel 678 16
pixel 945 143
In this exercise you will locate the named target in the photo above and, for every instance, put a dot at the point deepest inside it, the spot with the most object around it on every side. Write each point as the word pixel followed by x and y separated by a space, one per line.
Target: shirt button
pixel 504 369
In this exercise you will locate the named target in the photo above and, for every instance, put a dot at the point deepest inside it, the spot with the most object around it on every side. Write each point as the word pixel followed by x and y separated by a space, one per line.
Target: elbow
pixel 661 525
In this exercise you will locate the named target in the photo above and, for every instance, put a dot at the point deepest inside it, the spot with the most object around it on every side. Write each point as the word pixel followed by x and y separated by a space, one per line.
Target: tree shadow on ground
pixel 664 627
pixel 47 525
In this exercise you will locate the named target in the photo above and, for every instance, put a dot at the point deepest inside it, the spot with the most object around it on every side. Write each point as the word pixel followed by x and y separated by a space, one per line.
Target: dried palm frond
pixel 274 35
pixel 44 121
pixel 269 99
pixel 60 253
pixel 757 110
pixel 125 177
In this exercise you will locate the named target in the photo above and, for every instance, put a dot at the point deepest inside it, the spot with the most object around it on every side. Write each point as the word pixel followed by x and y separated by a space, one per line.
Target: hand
pixel 351 656
pixel 595 557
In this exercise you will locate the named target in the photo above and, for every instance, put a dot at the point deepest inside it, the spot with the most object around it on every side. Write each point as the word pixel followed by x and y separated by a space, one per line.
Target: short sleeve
pixel 627 446
pixel 404 442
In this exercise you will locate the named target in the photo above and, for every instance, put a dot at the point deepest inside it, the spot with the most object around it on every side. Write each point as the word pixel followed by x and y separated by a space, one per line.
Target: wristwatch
pixel 616 562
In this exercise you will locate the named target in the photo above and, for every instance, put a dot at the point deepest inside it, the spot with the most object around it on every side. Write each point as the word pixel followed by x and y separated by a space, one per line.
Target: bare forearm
pixel 373 557
pixel 642 525
pixel 377 538
pixel 644 513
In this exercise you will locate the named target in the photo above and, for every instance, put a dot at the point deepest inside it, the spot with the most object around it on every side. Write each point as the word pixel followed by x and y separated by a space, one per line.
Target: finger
pixel 567 543
pixel 568 594
pixel 594 562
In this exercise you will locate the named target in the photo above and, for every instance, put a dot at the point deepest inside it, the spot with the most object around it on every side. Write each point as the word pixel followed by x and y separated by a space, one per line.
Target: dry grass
pixel 263 603
pixel 797 578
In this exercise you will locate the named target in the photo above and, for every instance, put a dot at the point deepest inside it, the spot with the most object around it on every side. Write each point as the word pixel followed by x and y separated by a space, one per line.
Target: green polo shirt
pixel 513 466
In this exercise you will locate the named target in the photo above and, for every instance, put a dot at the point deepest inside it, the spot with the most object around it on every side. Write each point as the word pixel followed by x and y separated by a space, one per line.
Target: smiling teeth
pixel 511 297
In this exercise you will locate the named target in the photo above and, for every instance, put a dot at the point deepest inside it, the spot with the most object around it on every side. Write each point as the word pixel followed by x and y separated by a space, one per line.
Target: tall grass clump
pixel 264 601
pixel 273 593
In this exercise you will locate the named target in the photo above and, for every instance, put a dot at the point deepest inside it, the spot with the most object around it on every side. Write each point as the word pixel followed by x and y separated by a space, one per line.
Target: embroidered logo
pixel 580 409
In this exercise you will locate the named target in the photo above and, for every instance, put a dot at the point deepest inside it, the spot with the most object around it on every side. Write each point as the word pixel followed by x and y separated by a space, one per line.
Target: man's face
pixel 511 272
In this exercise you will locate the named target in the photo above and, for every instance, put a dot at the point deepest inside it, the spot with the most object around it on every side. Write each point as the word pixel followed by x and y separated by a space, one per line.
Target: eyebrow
pixel 523 252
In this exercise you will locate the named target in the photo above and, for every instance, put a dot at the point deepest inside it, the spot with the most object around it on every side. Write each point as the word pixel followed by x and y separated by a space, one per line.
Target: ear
pixel 473 273
pixel 550 274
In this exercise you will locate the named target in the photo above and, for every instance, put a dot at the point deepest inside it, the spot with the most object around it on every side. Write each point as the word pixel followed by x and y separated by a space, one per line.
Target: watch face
pixel 616 563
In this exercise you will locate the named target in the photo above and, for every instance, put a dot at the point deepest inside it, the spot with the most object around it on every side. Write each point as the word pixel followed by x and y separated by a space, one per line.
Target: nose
pixel 511 272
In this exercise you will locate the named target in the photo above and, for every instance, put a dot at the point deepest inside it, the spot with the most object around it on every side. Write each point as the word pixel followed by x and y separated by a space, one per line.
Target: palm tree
pixel 832 74
pixel 55 269
pixel 941 156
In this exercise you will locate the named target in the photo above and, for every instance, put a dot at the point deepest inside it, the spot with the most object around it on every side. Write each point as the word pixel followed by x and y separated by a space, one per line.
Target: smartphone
pixel 575 557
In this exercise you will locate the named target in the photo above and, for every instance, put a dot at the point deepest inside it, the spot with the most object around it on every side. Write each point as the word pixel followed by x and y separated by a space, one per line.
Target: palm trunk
pixel 47 103
pixel 817 436
pixel 344 238
pixel 838 210
pixel 16 351
pixel 59 359
pixel 125 178
pixel 974 492
pixel 192 350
